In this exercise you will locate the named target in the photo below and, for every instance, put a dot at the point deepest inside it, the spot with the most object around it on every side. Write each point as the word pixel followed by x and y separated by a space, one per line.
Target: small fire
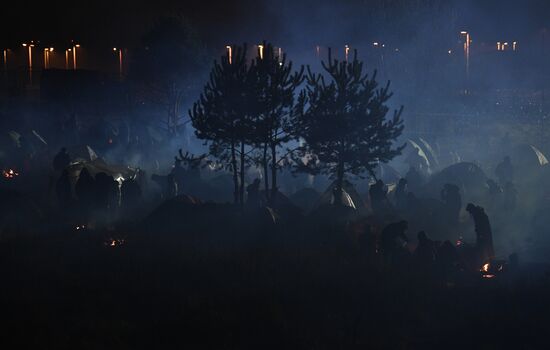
pixel 9 173
pixel 485 268
pixel 113 242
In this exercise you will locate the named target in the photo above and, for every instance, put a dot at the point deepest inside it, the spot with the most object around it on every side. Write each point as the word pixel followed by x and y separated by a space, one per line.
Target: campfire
pixel 9 173
pixel 492 268
pixel 114 242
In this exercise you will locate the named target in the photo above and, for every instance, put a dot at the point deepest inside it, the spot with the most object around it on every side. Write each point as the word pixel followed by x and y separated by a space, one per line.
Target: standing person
pixel 505 171
pixel 61 160
pixel 450 195
pixel 179 174
pixel 484 233
pixel 378 199
pixel 401 194
pixel 85 191
pixel 63 190
pixel 253 190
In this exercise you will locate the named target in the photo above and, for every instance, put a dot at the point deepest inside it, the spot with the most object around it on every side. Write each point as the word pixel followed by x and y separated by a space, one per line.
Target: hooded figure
pixel 484 234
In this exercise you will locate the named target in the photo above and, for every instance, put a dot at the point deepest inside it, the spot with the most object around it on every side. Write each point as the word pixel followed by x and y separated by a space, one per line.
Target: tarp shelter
pixel 526 155
pixel 350 197
pixel 430 152
pixel 82 153
pixel 468 176
pixel 98 165
pixel 416 155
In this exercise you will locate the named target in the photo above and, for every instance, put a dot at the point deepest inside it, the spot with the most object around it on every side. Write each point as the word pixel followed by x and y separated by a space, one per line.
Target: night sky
pixel 108 23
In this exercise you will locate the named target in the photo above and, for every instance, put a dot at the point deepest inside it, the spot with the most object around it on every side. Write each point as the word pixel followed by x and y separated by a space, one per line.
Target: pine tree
pixel 276 82
pixel 343 122
pixel 223 115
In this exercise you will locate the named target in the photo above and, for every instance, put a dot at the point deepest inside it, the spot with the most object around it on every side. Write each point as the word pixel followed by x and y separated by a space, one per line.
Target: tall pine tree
pixel 276 82
pixel 224 114
pixel 343 122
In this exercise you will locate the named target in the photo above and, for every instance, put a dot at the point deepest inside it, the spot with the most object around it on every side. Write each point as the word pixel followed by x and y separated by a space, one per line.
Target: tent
pixel 350 197
pixel 82 153
pixel 416 155
pixel 468 176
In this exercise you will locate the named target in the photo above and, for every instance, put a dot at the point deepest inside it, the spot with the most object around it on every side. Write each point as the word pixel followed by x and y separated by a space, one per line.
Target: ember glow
pixel 485 267
pixel 114 242
pixel 9 173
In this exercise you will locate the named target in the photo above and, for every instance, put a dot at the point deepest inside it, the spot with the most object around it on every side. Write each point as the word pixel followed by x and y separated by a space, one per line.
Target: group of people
pixel 100 194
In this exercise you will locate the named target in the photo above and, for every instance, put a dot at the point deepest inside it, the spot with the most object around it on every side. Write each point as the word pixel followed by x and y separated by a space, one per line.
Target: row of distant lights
pixel 51 49
pixel 500 46
pixel 504 46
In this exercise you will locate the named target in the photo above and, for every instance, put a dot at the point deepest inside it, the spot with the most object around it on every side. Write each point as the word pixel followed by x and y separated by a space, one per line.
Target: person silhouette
pixel 179 175
pixel 63 190
pixel 378 199
pixel 253 191
pixel 484 233
pixel 505 171
pixel 401 194
pixel 61 160
pixel 85 191
pixel 450 195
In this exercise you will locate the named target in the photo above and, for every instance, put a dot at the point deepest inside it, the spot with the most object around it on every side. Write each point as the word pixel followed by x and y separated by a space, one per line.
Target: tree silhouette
pixel 276 83
pixel 343 122
pixel 224 114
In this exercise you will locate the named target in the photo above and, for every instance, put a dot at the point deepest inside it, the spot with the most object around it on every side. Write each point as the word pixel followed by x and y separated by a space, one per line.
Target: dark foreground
pixel 246 287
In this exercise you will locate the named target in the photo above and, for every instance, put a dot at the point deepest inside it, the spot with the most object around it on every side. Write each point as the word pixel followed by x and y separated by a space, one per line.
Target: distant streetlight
pixel 74 55
pixel 346 51
pixel 5 59
pixel 499 46
pixel 229 54
pixel 261 51
pixel 467 50
pixel 29 52
pixel 119 61
pixel 47 52
pixel 514 45
pixel 67 58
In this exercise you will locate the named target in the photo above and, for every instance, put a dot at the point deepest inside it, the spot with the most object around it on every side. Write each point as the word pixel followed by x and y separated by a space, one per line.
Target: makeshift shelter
pixel 430 152
pixel 305 198
pixel 82 153
pixel 416 156
pixel 527 157
pixel 468 176
pixel 350 197
pixel 387 173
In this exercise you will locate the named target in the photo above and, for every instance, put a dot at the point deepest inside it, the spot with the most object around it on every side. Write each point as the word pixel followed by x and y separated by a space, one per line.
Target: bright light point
pixel 450 52
pixel 463 32
pixel 70 50
pixel 77 45
pixel 25 45
pixel 375 44
pixel 114 48
pixel 51 49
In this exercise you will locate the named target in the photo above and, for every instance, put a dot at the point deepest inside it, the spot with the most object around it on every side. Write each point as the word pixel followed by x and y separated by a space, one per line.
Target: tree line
pixel 263 112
